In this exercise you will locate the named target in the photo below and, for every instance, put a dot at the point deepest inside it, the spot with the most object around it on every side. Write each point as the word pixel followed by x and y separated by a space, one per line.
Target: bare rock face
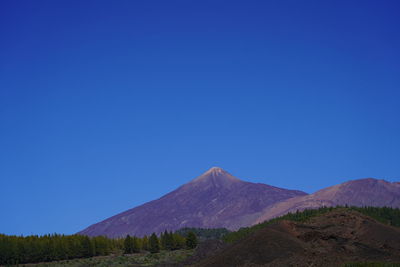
pixel 362 192
pixel 214 199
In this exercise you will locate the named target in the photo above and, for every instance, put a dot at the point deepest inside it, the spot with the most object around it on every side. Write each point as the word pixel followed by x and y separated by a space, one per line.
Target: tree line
pixel 204 233
pixel 166 241
pixel 55 247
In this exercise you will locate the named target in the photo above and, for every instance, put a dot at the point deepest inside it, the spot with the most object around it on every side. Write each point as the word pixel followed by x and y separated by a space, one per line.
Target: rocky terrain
pixel 332 239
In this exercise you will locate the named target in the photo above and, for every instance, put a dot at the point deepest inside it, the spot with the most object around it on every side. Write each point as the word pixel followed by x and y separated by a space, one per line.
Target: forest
pixel 204 233
pixel 55 247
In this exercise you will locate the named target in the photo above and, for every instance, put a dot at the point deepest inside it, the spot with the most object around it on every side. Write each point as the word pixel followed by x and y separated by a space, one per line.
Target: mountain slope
pixel 362 192
pixel 214 199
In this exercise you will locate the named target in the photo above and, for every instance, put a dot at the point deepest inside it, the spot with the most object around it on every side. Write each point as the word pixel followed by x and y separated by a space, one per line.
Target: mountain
pixel 331 239
pixel 362 192
pixel 213 200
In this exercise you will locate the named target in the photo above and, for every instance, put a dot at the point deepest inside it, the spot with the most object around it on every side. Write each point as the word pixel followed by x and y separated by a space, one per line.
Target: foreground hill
pixel 213 200
pixel 331 239
pixel 361 193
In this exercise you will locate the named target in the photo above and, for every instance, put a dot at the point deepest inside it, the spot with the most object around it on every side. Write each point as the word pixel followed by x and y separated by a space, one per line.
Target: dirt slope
pixel 328 240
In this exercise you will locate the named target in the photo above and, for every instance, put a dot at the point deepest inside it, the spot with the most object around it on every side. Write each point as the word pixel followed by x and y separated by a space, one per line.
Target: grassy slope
pixel 140 259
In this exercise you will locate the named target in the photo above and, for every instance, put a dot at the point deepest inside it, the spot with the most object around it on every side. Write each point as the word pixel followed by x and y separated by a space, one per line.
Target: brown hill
pixel 214 199
pixel 362 192
pixel 328 240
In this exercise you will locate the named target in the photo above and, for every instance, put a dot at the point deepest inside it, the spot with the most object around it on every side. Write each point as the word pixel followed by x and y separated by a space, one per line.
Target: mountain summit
pixel 216 177
pixel 216 171
pixel 213 199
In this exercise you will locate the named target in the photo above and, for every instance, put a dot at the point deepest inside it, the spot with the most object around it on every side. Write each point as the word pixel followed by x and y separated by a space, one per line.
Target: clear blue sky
pixel 105 105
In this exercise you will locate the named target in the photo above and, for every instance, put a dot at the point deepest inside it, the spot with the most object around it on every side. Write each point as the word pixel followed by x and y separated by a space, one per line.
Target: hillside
pixel 326 236
pixel 331 239
pixel 385 215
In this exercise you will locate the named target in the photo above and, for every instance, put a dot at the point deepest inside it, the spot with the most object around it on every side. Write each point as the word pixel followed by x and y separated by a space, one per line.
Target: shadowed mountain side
pixel 212 200
pixel 328 240
pixel 362 192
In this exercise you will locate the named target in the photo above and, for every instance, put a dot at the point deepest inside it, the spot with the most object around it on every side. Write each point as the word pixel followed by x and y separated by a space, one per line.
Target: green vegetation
pixel 131 245
pixel 204 233
pixel 17 249
pixel 47 248
pixel 154 245
pixel 172 241
pixel 138 259
pixel 191 240
pixel 385 215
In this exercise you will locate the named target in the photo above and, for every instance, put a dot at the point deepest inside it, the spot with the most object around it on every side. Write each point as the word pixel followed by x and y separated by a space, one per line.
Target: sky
pixel 105 105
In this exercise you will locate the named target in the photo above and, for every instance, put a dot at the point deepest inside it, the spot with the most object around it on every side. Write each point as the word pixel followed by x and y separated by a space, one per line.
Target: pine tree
pixel 154 246
pixel 88 248
pixel 163 240
pixel 169 241
pixel 178 240
pixel 191 240
pixel 128 245
pixel 145 243
pixel 135 245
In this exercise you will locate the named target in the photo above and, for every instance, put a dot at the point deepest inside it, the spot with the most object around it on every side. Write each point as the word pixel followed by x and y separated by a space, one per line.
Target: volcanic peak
pixel 216 173
pixel 214 199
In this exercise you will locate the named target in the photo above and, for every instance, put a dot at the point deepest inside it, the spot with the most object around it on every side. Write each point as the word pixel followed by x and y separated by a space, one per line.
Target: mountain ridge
pixel 212 200
pixel 359 192
pixel 217 199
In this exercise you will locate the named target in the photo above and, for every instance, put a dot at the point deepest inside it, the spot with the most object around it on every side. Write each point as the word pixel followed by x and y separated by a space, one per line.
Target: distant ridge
pixel 217 199
pixel 214 199
pixel 362 192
